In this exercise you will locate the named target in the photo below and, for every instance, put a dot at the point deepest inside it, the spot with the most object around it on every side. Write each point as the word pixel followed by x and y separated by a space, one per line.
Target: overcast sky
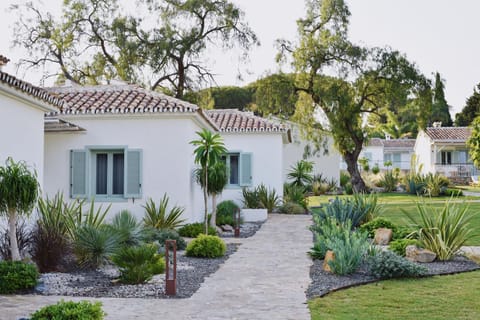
pixel 439 35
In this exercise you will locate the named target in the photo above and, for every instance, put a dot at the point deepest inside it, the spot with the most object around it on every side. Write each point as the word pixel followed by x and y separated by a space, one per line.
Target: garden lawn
pixel 435 298
pixel 394 203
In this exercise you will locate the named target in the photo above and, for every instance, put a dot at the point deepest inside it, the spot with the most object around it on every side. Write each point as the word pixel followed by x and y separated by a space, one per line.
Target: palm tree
pixel 18 195
pixel 217 180
pixel 209 150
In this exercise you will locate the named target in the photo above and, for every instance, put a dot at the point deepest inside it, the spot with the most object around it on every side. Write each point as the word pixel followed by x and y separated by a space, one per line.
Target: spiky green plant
pixel 94 246
pixel 301 173
pixel 267 197
pixel 161 217
pixel 127 228
pixel 442 230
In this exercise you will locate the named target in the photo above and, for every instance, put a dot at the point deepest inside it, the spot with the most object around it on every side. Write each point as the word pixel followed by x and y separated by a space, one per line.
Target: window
pixel 446 157
pixel 397 159
pixel 105 173
pixel 239 169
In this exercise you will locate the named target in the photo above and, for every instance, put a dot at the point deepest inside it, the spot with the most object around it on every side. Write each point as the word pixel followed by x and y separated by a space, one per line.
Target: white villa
pixel 443 150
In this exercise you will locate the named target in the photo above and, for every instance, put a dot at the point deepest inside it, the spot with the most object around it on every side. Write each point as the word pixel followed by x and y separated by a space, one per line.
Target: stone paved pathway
pixel 265 279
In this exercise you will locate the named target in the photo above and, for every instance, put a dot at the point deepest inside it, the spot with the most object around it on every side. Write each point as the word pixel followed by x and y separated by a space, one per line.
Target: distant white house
pixel 444 150
pixel 378 151
pixel 22 109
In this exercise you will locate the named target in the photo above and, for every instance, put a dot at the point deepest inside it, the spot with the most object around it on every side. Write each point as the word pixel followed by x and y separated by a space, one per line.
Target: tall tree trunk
pixel 205 198
pixel 213 218
pixel 358 184
pixel 12 233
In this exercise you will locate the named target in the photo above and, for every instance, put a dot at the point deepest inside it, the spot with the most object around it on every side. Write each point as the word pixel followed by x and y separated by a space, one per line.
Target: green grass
pixel 394 203
pixel 435 298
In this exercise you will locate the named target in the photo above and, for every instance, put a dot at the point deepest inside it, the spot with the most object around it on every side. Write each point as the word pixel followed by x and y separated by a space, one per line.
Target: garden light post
pixel 171 267
pixel 237 223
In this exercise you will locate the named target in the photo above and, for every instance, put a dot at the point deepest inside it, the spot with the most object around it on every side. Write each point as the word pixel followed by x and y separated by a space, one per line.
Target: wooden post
pixel 171 267
pixel 237 223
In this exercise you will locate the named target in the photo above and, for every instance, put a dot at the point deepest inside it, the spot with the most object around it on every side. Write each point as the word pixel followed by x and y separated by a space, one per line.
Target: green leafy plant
pixel 399 246
pixel 206 246
pixel 343 210
pixel 387 264
pixel 70 310
pixel 93 246
pixel 442 231
pixel 267 197
pixel 344 178
pixel 294 194
pixel 348 188
pixel 251 199
pixel 434 184
pixel 226 211
pixel 138 264
pixel 375 169
pixel 328 228
pixel 192 230
pixel 452 192
pixel 166 234
pixel 300 173
pixel 160 217
pixel 375 224
pixel 389 180
pixel 16 276
pixel 367 203
pixel 77 218
pixel 129 231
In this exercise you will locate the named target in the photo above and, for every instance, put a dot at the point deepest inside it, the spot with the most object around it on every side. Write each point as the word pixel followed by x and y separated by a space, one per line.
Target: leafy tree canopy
pixel 440 107
pixel 471 109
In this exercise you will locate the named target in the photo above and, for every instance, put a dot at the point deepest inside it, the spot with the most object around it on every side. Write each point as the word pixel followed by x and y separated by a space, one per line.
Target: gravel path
pixel 325 282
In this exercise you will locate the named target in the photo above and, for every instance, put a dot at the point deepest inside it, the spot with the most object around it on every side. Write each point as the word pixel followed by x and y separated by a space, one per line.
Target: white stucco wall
pixel 167 165
pixel 21 132
pixel 423 152
pixel 267 162
pixel 326 164
pixel 374 154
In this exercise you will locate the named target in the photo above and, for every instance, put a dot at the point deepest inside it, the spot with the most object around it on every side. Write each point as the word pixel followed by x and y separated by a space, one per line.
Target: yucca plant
pixel 160 217
pixel 301 173
pixel 138 264
pixel 268 197
pixel 93 246
pixel 251 199
pixel 442 231
pixel 294 194
pixel 343 210
pixel 127 228
pixel 77 218
pixel 368 204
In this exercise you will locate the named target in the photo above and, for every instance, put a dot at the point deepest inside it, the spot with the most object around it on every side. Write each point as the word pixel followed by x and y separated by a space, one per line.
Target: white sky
pixel 439 35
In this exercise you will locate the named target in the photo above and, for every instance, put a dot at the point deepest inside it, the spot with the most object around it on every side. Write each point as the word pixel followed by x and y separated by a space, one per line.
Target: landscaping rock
pixel 227 228
pixel 329 256
pixel 219 230
pixel 383 236
pixel 415 254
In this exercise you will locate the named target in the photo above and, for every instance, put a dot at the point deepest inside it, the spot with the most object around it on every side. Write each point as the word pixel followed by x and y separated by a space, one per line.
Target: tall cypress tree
pixel 440 107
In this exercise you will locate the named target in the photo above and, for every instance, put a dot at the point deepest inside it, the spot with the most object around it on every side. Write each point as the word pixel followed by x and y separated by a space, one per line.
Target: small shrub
pixel 192 230
pixel 348 188
pixel 161 217
pixel 376 223
pixel 375 169
pixel 387 264
pixel 295 194
pixel 251 198
pixel 399 246
pixel 343 210
pixel 166 234
pixel 49 249
pixel 206 247
pixel 138 264
pixel 69 310
pixel 453 193
pixel 226 212
pixel 367 203
pixel 127 228
pixel 389 180
pixel 349 249
pixel 403 232
pixel 16 276
pixel 93 246
pixel 292 208
pixel 344 178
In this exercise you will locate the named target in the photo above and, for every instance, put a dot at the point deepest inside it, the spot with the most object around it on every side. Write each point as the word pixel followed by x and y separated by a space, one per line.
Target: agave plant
pixel 160 217
pixel 94 246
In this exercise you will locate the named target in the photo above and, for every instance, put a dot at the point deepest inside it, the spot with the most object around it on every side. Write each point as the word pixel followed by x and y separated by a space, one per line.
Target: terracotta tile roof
pixel 3 60
pixel 30 89
pixel 118 99
pixel 375 142
pixel 52 124
pixel 399 143
pixel 449 133
pixel 233 120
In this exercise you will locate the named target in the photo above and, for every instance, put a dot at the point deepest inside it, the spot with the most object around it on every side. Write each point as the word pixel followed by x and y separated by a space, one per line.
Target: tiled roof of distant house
pixel 392 143
pixel 233 120
pixel 118 99
pixel 375 142
pixel 29 89
pixel 459 134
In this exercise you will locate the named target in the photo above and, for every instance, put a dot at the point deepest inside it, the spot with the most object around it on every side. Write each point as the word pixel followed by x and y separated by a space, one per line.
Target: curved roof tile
pixel 233 120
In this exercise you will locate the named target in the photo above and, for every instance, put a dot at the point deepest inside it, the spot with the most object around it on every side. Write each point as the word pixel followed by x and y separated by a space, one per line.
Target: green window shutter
pixel 78 174
pixel 133 173
pixel 245 169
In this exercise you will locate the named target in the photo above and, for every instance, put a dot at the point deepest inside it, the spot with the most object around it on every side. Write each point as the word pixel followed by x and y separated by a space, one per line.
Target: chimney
pixel 3 61
pixel 387 136
pixel 437 124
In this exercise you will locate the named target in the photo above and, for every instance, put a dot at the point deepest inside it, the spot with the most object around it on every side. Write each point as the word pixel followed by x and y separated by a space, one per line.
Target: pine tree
pixel 440 107
pixel 471 109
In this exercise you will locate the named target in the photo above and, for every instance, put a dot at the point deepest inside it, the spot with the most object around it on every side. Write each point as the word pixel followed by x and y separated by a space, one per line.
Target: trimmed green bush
pixel 399 246
pixel 206 247
pixel 168 234
pixel 292 208
pixel 225 212
pixel 403 232
pixel 387 264
pixel 16 276
pixel 138 264
pixel 69 310
pixel 375 224
pixel 192 230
